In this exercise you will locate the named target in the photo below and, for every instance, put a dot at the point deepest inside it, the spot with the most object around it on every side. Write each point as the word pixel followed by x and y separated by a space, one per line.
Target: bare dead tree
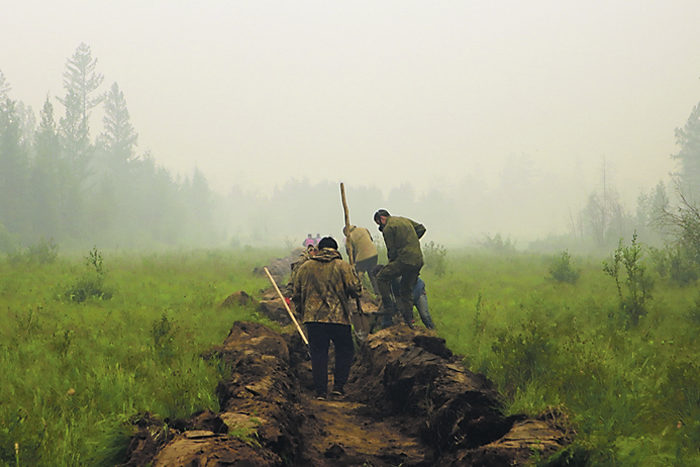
pixel 682 220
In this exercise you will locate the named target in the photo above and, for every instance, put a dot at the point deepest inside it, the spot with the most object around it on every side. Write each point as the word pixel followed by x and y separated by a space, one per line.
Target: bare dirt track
pixel 409 402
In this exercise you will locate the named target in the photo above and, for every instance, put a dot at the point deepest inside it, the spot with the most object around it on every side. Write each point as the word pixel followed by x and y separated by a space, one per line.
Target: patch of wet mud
pixel 408 402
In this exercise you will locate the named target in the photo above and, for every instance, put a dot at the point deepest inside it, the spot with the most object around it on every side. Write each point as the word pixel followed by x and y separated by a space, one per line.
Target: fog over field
pixel 474 118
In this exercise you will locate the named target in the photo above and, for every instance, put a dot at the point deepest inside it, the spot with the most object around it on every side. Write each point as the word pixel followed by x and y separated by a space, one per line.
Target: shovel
pixel 291 315
pixel 360 320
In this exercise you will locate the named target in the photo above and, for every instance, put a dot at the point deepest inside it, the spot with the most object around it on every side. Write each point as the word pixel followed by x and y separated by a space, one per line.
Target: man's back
pixel 362 244
pixel 401 236
pixel 322 286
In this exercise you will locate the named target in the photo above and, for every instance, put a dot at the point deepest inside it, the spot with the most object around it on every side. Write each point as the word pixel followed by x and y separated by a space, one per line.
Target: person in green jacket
pixel 402 240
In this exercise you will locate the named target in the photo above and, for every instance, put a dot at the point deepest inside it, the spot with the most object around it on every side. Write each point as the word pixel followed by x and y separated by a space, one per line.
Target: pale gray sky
pixel 379 92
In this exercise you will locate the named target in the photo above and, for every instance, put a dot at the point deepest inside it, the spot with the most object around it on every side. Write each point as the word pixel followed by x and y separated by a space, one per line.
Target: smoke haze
pixel 504 112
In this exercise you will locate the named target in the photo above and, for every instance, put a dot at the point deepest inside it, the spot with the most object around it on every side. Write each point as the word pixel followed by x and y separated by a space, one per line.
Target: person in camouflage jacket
pixel 322 290
pixel 402 240
pixel 303 257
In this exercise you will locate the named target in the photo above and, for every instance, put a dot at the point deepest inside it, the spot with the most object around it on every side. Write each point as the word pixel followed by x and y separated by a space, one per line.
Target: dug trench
pixel 409 402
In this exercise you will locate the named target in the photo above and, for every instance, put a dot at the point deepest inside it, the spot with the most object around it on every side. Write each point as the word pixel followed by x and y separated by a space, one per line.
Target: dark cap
pixel 380 213
pixel 327 242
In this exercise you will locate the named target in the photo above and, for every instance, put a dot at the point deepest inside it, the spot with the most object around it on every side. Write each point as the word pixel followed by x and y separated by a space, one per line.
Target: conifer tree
pixel 14 162
pixel 27 124
pixel 199 201
pixel 115 204
pixel 688 138
pixel 80 81
pixel 4 87
pixel 119 137
pixel 46 174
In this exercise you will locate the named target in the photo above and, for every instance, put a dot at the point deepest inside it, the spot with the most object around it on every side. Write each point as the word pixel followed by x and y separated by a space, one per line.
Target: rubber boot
pixel 408 319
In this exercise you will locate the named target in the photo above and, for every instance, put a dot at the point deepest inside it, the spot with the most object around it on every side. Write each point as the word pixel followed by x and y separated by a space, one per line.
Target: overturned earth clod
pixel 409 401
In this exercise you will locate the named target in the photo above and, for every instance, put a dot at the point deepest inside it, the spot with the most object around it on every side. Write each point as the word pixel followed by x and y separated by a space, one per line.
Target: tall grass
pixel 74 373
pixel 632 391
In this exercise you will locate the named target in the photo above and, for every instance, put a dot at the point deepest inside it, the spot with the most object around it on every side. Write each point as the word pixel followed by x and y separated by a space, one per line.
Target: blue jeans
pixel 420 301
pixel 422 304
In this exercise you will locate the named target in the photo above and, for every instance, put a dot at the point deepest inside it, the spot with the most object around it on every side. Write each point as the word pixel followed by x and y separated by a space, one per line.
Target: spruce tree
pixel 4 87
pixel 80 82
pixel 119 137
pixel 14 162
pixel 47 173
pixel 115 204
pixel 688 138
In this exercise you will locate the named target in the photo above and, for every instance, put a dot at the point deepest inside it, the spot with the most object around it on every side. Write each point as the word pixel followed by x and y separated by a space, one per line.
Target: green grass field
pixel 74 373
pixel 632 392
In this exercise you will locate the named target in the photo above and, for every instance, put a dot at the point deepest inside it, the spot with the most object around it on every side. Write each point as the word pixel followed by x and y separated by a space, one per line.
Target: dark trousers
pixel 320 336
pixel 367 265
pixel 409 277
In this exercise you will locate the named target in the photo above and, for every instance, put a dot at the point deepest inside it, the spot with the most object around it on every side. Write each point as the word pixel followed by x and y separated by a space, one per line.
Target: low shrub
pixel 682 266
pixel 677 262
pixel 637 284
pixel 92 282
pixel 42 252
pixel 435 257
pixel 561 269
pixel 497 244
pixel 87 286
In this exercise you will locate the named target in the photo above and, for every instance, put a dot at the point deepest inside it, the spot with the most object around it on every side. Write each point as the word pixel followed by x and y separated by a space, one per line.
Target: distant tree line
pixel 523 203
pixel 57 182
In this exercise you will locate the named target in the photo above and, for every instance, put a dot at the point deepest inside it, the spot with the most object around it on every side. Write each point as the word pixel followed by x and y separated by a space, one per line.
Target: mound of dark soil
pixel 279 267
pixel 409 402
